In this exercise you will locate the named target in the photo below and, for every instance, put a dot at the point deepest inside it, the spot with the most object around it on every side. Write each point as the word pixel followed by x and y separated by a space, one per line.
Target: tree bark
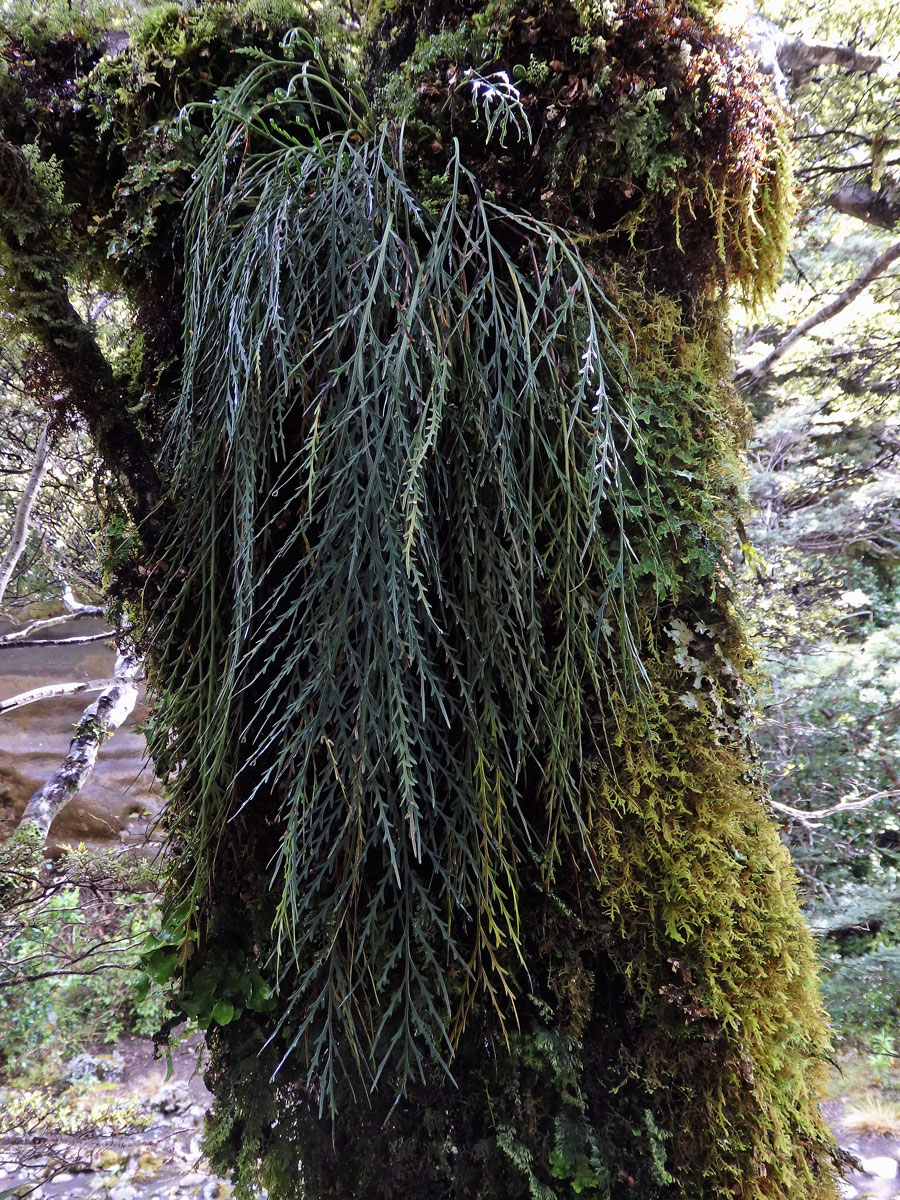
pixel 879 208
pixel 51 690
pixel 781 56
pixel 39 297
pixel 798 56
pixel 98 723
pixel 86 610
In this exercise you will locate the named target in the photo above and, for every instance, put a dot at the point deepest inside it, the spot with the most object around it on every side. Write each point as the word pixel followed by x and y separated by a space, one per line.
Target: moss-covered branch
pixel 36 238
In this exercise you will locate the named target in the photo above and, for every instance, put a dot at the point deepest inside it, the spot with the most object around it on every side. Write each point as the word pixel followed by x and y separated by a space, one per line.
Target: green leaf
pixel 223 1012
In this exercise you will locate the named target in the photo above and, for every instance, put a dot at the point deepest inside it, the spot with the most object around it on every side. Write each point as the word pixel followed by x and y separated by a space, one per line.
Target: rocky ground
pixel 876 1175
pixel 120 1131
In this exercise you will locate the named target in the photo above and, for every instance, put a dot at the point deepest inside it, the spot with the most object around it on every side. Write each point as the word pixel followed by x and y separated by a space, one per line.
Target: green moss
pixel 470 606
pixel 660 156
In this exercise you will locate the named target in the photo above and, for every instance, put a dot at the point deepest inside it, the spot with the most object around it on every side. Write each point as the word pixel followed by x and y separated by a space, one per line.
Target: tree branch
pixel 780 55
pixel 22 522
pixel 881 208
pixel 86 610
pixel 99 721
pixel 798 56
pixel 752 375
pixel 70 641
pixel 51 690
pixel 36 291
pixel 810 817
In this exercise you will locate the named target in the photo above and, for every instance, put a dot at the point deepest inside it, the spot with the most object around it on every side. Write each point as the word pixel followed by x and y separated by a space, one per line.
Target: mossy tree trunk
pixel 473 882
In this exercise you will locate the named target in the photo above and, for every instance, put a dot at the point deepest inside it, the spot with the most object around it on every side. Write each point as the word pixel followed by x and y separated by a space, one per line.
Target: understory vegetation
pixel 71 980
pixel 821 577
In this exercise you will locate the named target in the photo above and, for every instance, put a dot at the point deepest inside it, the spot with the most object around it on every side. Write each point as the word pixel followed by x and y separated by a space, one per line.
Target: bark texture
pixel 99 722
pixel 880 208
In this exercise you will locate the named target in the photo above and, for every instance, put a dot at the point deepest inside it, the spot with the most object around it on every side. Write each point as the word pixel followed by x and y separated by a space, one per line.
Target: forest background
pixel 819 560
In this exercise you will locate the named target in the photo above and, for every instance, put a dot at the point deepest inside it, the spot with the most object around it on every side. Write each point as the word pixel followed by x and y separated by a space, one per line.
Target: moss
pixel 636 1012
pixel 702 896
pixel 648 128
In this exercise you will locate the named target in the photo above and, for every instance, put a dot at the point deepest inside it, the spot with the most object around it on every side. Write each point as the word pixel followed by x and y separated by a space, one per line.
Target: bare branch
pixel 86 610
pixel 752 375
pixel 70 641
pixel 51 690
pixel 810 817
pixel 779 55
pixel 881 208
pixel 22 523
pixel 796 55
pixel 100 720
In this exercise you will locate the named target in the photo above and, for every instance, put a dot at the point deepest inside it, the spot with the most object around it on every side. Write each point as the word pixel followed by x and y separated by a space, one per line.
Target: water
pixel 118 803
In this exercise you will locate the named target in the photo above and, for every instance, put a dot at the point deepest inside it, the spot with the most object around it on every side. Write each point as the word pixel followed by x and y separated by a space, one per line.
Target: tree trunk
pixel 473 884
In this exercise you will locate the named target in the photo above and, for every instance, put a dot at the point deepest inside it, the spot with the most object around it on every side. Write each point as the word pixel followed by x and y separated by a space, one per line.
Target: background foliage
pixel 822 582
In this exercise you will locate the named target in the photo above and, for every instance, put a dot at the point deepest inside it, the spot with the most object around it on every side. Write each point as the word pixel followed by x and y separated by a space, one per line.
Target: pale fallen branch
pixel 53 689
pixel 71 641
pixel 87 610
pixel 98 723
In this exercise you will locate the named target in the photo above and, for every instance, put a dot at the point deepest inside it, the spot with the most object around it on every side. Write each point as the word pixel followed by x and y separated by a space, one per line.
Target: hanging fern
pixel 406 487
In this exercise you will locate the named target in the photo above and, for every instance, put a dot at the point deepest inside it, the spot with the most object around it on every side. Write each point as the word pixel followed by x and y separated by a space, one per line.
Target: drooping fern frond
pixel 406 582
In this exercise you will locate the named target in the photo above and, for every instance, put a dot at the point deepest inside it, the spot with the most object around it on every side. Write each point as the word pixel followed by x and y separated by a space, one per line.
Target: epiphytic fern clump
pixel 398 448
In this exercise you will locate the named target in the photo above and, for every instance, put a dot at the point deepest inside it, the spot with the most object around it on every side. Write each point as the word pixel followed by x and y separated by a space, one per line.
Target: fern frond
pixel 403 534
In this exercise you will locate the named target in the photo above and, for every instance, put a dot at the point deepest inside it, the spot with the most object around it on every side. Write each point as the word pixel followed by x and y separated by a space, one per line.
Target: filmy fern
pixel 405 572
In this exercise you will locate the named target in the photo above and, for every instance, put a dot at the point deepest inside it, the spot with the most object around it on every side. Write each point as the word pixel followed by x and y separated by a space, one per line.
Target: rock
pixel 83 1067
pixel 171 1098
pixel 847 1190
pixel 123 1191
pixel 108 1160
pixel 217 1189
pixel 881 1167
pixel 148 1167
